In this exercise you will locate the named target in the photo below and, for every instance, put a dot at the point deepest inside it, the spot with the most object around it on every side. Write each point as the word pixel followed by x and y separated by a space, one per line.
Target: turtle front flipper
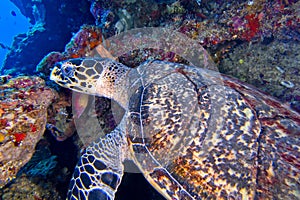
pixel 100 169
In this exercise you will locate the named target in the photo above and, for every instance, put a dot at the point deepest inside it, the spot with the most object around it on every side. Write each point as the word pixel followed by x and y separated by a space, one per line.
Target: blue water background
pixel 10 25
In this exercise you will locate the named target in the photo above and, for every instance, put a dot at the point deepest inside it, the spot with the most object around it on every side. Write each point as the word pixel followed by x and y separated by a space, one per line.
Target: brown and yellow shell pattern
pixel 197 134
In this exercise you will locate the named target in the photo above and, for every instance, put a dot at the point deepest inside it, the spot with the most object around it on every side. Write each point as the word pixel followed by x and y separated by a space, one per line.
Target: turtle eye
pixel 67 70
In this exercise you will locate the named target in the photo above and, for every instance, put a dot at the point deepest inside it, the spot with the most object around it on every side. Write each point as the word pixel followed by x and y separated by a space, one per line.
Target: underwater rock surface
pixel 274 68
pixel 23 116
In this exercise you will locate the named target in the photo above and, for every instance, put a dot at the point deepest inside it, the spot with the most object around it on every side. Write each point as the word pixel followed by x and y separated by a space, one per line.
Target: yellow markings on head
pixel 54 74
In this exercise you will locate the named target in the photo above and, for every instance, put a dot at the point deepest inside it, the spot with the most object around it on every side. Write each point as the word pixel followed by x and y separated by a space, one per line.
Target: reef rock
pixel 23 115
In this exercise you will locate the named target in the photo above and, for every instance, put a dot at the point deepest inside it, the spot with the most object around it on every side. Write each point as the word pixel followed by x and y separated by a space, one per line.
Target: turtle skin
pixel 198 134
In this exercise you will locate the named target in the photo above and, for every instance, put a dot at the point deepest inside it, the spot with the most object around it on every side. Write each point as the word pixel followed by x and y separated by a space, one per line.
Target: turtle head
pixel 101 77
pixel 80 75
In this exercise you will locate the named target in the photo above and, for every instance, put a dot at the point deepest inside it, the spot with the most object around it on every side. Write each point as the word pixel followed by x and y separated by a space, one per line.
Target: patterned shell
pixel 198 134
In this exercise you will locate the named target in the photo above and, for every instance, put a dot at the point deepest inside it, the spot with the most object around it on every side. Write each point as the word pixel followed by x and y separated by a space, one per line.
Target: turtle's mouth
pixel 55 74
pixel 59 76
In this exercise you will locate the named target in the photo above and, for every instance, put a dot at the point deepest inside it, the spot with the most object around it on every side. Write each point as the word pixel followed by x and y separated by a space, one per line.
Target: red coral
pixel 19 137
pixel 252 27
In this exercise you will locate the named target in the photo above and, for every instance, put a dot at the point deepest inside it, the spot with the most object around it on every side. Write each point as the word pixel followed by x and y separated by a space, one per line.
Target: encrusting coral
pixel 23 115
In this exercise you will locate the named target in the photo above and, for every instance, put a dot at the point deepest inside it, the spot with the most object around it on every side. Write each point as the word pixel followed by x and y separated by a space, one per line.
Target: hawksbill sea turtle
pixel 250 149
pixel 192 132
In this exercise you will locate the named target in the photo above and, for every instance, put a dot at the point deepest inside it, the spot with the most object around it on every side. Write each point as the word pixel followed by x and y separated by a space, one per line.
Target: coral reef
pixel 231 21
pixel 212 23
pixel 23 116
pixel 85 40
